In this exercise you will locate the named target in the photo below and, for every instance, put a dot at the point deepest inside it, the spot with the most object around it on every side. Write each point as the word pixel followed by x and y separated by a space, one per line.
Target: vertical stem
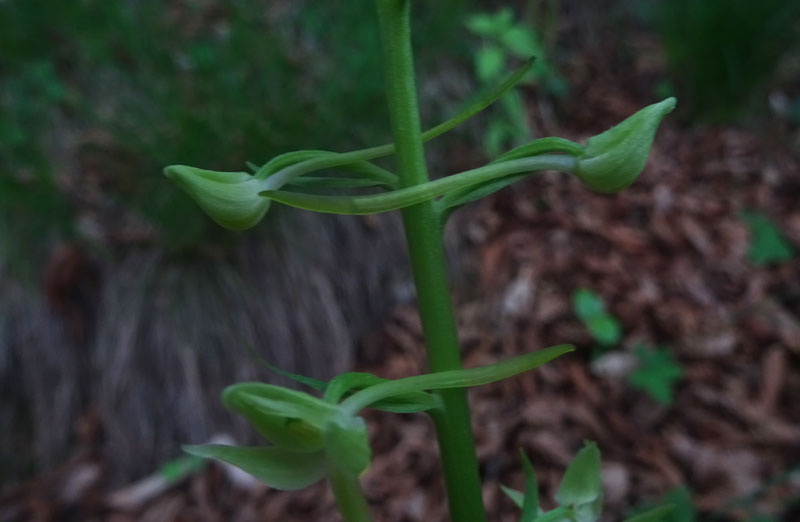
pixel 426 251
pixel 349 497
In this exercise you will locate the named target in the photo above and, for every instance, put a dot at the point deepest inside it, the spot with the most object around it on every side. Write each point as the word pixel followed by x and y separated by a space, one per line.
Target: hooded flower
pixel 613 159
pixel 229 198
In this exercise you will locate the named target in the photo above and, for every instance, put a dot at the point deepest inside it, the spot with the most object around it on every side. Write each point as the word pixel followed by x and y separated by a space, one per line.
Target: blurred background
pixel 124 310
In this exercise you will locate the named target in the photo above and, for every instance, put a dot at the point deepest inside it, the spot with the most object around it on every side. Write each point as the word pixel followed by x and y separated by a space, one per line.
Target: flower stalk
pixel 426 252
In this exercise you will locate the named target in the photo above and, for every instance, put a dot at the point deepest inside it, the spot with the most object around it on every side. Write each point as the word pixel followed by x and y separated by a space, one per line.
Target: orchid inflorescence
pixel 315 436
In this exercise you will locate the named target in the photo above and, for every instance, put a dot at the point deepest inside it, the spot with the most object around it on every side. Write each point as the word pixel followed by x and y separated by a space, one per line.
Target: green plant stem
pixel 349 496
pixel 426 251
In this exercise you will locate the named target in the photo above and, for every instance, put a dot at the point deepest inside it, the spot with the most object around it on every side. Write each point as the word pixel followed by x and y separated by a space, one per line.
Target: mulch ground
pixel 668 256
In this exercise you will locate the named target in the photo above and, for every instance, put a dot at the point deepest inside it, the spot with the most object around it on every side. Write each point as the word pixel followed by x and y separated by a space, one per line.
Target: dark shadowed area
pixel 124 311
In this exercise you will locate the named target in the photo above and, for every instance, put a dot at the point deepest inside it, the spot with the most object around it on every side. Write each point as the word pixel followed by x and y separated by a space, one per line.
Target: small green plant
pixel 656 374
pixel 579 497
pixel 503 38
pixel 313 436
pixel 767 245
pixel 591 310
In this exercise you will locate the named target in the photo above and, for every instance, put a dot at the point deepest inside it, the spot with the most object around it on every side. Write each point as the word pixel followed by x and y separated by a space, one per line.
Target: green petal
pixel 229 198
pixel 613 159
pixel 276 467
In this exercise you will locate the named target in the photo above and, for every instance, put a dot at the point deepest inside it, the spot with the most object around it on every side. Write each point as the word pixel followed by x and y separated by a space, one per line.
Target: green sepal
pixel 613 159
pixel 454 378
pixel 279 468
pixel 346 445
pixel 229 198
pixel 659 514
pixel 581 487
pixel 350 382
pixel 530 505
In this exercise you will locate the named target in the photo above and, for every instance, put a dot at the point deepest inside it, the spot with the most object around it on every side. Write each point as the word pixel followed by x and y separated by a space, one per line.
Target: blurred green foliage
pixel 722 52
pixel 591 310
pixel 504 38
pixel 656 374
pixel 767 244
pixel 204 83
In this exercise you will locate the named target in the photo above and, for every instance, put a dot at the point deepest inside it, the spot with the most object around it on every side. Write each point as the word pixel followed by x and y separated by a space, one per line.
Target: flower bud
pixel 613 159
pixel 229 198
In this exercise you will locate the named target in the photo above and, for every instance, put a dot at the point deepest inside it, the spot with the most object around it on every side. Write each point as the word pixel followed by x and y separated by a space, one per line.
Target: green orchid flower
pixel 311 437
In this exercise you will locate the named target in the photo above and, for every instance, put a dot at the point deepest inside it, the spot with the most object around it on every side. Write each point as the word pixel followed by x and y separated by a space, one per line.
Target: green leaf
pixel 347 383
pixel 559 514
pixel 582 488
pixel 454 378
pixel 767 245
pixel 605 329
pixel 680 499
pixel 490 25
pixel 657 373
pixel 659 514
pixel 587 304
pixel 530 506
pixel 613 159
pixel 482 24
pixel 347 446
pixel 517 497
pixel 590 309
pixel 178 468
pixel 231 199
pixel 489 62
pixel 277 467
pixel 521 41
